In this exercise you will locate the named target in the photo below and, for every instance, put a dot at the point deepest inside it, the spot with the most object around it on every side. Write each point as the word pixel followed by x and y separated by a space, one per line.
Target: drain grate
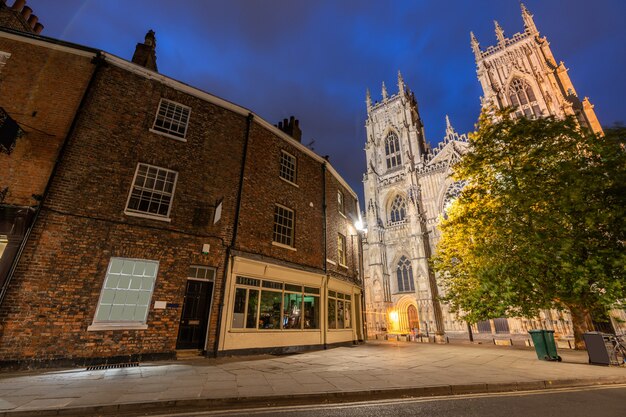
pixel 113 366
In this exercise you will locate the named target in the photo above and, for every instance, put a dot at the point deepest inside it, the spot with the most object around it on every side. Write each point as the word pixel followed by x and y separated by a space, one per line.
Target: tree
pixel 541 223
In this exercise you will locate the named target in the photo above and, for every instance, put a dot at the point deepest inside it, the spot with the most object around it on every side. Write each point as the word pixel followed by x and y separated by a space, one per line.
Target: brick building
pixel 173 219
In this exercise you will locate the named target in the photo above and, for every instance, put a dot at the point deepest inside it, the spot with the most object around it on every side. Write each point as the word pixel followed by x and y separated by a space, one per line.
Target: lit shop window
pixel 273 305
pixel 339 310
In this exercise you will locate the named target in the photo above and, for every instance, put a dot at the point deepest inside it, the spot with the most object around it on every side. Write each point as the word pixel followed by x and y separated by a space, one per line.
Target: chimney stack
pixel 18 5
pixel 145 53
pixel 291 127
pixel 20 17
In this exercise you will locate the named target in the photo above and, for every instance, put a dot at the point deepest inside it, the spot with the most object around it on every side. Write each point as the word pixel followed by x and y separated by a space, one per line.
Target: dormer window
pixel 392 151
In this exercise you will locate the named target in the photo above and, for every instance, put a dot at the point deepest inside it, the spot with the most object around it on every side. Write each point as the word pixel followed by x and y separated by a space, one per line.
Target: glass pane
pixel 124 282
pixel 103 313
pixel 292 311
pixel 332 314
pixel 116 266
pixel 139 268
pixel 151 268
pixel 116 312
pixel 129 313
pixel 146 283
pixel 253 303
pixel 239 310
pixel 269 316
pixel 311 290
pixel 140 313
pixel 135 283
pixel 111 281
pixel 144 298
pixel 128 267
pixel 132 297
pixel 293 288
pixel 107 296
pixel 348 316
pixel 340 314
pixel 311 312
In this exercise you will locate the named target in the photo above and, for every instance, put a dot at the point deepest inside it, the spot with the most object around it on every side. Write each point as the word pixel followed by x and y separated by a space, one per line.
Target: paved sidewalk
pixel 372 370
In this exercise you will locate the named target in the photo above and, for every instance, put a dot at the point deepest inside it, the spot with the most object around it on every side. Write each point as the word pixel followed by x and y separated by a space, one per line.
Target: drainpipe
pixel 325 282
pixel 227 258
pixel 98 61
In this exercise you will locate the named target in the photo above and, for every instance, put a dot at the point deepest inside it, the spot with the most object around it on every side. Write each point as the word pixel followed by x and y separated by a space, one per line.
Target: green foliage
pixel 541 223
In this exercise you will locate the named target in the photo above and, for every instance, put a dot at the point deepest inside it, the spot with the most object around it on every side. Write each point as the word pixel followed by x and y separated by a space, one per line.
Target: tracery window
pixel 523 99
pixel 392 151
pixel 398 210
pixel 404 273
pixel 452 193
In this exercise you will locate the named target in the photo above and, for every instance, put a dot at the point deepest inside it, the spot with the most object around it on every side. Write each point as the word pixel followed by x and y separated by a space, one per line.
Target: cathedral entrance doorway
pixel 411 313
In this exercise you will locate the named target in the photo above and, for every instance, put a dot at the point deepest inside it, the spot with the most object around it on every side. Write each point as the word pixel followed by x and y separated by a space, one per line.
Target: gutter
pixel 228 257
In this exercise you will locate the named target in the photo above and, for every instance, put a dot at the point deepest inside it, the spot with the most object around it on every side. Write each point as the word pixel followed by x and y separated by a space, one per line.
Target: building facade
pixel 166 219
pixel 407 187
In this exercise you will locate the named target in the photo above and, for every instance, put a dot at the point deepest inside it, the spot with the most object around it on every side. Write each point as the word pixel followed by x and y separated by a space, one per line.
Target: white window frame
pixel 293 227
pixel 124 324
pixel 341 203
pixel 147 215
pixel 169 132
pixel 286 155
pixel 342 257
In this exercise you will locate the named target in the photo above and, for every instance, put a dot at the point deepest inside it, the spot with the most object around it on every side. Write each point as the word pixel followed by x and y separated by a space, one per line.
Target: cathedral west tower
pixel 521 72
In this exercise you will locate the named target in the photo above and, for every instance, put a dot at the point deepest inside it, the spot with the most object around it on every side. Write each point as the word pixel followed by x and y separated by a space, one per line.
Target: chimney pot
pixel 26 12
pixel 38 28
pixel 32 21
pixel 18 5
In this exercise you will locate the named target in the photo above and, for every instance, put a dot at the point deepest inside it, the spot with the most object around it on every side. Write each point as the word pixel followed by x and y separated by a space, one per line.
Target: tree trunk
pixel 581 322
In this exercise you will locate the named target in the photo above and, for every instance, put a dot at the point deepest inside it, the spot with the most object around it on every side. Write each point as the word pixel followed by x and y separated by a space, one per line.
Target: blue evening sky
pixel 314 59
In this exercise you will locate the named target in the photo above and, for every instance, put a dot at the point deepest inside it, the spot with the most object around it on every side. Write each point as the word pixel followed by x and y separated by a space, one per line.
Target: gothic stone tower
pixel 406 186
pixel 521 72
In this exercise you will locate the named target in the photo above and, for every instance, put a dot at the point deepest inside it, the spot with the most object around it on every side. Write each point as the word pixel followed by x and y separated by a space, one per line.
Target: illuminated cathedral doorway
pixel 411 313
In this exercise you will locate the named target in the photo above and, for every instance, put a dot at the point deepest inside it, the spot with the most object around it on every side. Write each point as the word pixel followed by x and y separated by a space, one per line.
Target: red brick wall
pixel 54 293
pixel 344 224
pixel 263 189
pixel 41 89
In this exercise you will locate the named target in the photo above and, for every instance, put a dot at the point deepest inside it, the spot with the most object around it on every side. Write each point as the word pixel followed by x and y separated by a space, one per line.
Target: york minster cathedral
pixel 408 185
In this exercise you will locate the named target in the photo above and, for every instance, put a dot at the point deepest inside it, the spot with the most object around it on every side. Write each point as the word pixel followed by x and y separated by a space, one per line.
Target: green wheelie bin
pixel 545 347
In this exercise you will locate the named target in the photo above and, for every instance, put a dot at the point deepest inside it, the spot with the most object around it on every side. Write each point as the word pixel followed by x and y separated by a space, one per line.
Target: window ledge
pixel 289 182
pixel 167 135
pixel 147 216
pixel 280 245
pixel 331 262
pixel 342 214
pixel 116 326
pixel 343 266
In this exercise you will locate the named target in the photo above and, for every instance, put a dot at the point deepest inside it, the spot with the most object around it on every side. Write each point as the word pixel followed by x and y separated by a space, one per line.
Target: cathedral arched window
pixel 398 209
pixel 392 151
pixel 452 193
pixel 523 99
pixel 404 273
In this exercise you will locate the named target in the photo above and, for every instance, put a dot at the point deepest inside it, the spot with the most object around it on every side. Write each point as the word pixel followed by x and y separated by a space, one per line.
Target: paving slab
pixel 375 369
